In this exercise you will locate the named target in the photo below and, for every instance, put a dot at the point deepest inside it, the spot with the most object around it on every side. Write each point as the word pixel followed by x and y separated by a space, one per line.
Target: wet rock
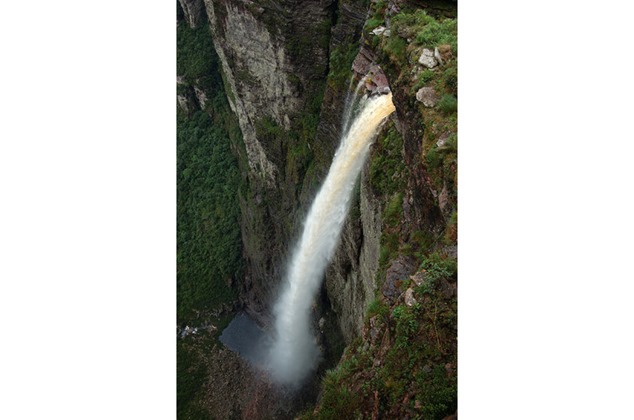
pixel 376 81
pixel 427 95
pixel 427 59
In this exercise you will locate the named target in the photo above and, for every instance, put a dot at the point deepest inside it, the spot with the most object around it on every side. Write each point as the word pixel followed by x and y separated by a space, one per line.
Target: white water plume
pixel 294 352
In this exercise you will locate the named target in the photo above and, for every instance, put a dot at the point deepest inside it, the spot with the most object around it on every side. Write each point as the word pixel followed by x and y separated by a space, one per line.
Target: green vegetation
pixel 416 350
pixel 394 210
pixel 208 256
pixel 191 376
pixel 208 180
pixel 377 18
pixel 341 59
pixel 396 48
pixel 209 246
pixel 195 57
pixel 388 172
pixel 448 104
pixel 423 79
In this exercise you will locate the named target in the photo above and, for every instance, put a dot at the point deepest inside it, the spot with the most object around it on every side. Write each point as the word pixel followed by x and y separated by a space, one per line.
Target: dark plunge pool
pixel 246 338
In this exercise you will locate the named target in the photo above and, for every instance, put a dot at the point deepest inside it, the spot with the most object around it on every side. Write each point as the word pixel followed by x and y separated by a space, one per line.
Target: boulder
pixel 427 95
pixel 427 59
pixel 442 141
pixel 409 297
pixel 399 270
pixel 379 30
pixel 437 56
pixel 418 278
pixel 376 82
pixel 362 62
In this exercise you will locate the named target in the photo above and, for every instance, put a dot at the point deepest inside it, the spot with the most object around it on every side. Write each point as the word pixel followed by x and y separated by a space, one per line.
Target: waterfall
pixel 294 351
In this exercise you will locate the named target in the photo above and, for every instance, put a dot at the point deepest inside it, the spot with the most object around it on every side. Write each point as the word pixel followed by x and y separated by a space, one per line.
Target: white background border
pixel 87 230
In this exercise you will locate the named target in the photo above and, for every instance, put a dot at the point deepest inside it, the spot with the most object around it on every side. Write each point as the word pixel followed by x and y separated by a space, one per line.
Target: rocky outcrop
pixel 253 69
pixel 365 67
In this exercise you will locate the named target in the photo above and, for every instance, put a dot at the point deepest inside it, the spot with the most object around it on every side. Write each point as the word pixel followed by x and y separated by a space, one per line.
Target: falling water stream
pixel 294 351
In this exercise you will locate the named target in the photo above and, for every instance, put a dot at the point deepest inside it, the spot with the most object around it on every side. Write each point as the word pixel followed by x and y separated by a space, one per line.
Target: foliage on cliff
pixel 404 364
pixel 208 237
pixel 414 30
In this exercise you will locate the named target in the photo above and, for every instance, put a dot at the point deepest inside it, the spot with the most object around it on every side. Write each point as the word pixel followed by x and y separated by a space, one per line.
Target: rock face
pixel 398 272
pixel 253 63
pixel 350 278
pixel 275 58
pixel 364 66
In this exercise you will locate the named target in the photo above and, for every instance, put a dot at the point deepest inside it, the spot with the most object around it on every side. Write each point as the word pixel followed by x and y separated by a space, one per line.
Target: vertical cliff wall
pixel 286 66
pixel 274 59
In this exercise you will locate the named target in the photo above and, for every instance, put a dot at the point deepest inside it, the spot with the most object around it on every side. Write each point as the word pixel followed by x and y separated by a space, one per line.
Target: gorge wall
pixel 286 68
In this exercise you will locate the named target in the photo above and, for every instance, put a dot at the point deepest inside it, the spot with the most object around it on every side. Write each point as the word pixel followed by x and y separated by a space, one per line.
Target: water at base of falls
pixel 246 338
pixel 294 352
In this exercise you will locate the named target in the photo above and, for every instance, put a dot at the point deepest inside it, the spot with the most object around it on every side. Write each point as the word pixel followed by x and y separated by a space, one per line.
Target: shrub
pixel 424 78
pixel 450 77
pixel 396 48
pixel 377 307
pixel 448 104
pixel 394 209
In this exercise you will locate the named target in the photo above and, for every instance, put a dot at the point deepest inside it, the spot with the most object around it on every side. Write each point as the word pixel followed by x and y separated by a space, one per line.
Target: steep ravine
pixel 286 67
